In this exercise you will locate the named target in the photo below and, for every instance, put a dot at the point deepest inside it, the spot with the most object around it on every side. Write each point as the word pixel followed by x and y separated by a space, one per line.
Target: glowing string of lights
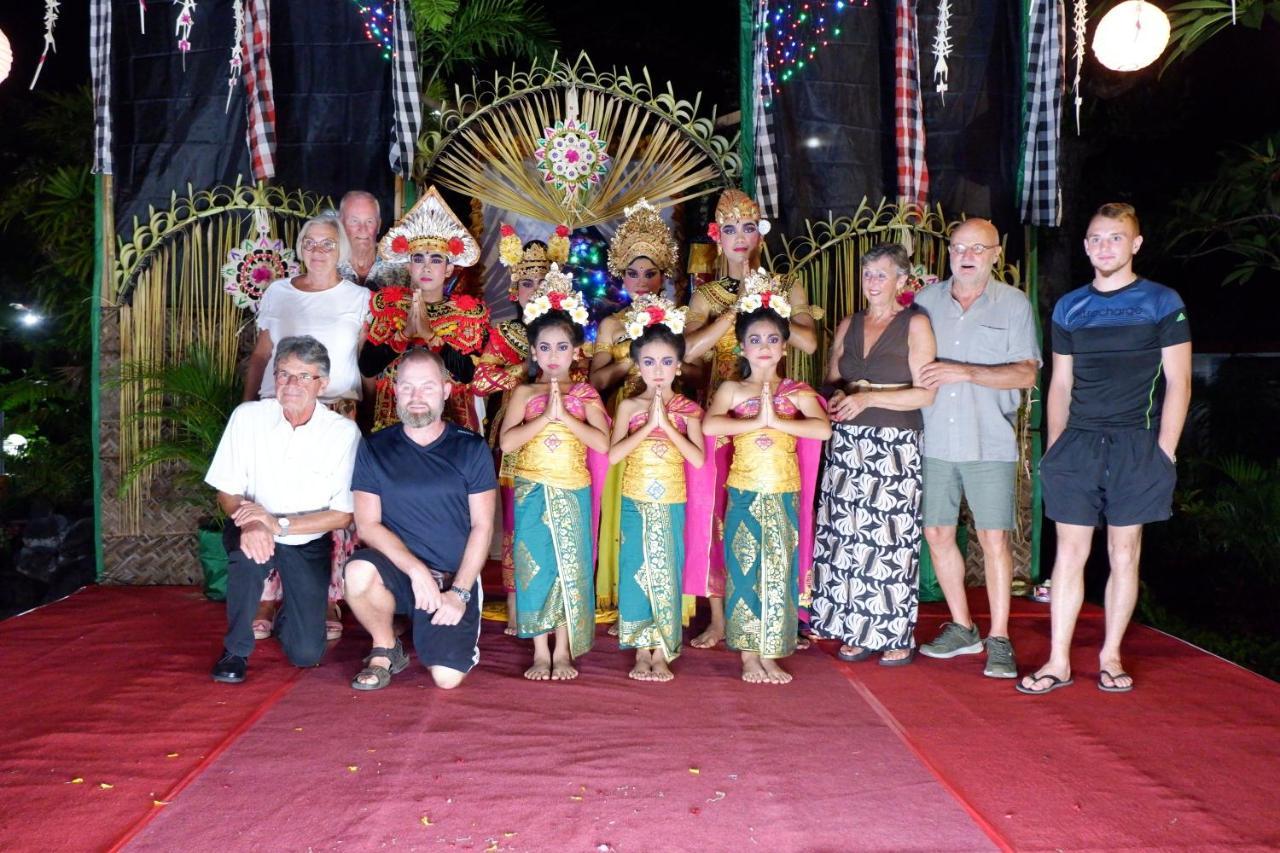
pixel 379 19
pixel 797 30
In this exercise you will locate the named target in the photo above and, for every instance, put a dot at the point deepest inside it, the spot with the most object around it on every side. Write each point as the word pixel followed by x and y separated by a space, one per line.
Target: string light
pixel 797 30
pixel 379 20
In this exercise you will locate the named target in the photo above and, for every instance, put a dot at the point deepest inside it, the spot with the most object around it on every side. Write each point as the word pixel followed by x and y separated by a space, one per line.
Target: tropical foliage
pixel 1235 214
pixel 1194 22
pixel 453 34
pixel 187 405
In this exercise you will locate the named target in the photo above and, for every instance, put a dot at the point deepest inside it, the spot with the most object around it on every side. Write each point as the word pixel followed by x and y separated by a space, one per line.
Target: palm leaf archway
pixel 658 146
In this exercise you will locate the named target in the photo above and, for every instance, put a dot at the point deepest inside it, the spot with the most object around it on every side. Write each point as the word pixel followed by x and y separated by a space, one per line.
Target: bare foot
pixel 895 654
pixel 661 671
pixel 613 630
pixel 562 668
pixel 644 666
pixel 541 669
pixel 753 671
pixel 803 642
pixel 510 630
pixel 777 675
pixel 708 638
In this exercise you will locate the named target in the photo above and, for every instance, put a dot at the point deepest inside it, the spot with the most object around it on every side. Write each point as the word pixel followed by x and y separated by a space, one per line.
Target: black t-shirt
pixel 1114 340
pixel 424 490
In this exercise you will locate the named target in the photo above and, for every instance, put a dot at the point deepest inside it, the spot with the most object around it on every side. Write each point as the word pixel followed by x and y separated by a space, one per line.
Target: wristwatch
pixel 464 594
pixel 283 521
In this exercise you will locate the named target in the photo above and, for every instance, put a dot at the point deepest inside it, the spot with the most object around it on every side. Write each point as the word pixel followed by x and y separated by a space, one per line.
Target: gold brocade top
pixel 765 460
pixel 721 295
pixel 555 456
pixel 654 471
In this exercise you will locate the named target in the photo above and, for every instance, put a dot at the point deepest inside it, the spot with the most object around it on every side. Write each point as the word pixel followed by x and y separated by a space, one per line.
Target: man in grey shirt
pixel 987 353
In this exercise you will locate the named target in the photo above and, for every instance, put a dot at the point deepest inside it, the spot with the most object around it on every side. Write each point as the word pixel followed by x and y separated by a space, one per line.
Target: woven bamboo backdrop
pixel 167 294
pixel 827 259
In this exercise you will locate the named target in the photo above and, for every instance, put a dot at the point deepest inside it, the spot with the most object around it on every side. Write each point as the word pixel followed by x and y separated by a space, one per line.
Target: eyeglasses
pixel 284 377
pixel 322 246
pixel 965 248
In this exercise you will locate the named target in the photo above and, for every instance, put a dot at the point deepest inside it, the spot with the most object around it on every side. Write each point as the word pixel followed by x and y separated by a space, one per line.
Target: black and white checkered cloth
pixel 404 93
pixel 766 193
pixel 1046 76
pixel 100 67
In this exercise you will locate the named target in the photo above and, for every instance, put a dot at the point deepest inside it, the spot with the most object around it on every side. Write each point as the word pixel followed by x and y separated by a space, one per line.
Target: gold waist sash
pixel 554 457
pixel 654 472
pixel 765 461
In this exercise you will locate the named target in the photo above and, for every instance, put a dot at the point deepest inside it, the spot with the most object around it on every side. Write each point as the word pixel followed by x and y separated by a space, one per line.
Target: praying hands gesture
pixel 658 416
pixel 555 404
pixel 767 417
pixel 418 326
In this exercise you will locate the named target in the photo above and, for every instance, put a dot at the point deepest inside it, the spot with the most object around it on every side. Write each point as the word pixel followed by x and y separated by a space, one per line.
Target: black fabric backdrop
pixel 833 121
pixel 332 93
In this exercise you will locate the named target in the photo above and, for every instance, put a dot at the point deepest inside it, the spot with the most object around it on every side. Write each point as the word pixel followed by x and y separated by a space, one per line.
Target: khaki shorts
pixel 987 486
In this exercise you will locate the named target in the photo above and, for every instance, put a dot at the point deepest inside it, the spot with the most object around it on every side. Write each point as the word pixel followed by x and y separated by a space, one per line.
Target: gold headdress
pixel 430 227
pixel 649 309
pixel 556 292
pixel 763 289
pixel 533 259
pixel 642 234
pixel 736 206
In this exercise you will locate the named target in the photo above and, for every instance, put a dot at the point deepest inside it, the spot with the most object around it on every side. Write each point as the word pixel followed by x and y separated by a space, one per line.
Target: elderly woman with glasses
pixel 321 304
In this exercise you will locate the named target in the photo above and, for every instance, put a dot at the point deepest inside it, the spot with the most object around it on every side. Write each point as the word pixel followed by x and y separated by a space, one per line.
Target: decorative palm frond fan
pixel 567 144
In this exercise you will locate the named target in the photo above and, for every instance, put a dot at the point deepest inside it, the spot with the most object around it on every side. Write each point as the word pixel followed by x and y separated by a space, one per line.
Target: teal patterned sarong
pixel 553 569
pixel 649 576
pixel 762 598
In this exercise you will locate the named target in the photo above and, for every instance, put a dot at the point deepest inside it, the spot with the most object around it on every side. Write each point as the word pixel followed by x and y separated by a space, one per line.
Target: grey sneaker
pixel 1000 662
pixel 953 640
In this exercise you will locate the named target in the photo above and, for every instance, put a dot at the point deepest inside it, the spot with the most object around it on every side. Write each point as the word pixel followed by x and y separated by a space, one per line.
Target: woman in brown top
pixel 867 546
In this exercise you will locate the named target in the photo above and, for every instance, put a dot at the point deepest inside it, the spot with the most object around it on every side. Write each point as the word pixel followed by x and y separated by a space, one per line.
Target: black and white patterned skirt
pixel 866 558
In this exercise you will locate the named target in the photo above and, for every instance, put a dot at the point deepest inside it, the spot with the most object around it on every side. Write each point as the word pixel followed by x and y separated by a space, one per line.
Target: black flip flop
pixel 1114 676
pixel 910 658
pixel 860 656
pixel 1054 684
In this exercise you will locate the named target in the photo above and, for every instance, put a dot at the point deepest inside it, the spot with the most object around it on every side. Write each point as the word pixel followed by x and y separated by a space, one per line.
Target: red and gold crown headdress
pixel 763 289
pixel 532 260
pixel 649 309
pixel 736 206
pixel 429 227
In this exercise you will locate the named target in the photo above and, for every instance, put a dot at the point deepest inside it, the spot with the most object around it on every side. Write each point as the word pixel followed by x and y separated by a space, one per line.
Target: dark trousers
pixel 304 574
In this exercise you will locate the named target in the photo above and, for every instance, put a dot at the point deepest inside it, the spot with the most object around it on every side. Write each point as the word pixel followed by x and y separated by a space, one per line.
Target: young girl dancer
pixel 551 428
pixel 655 434
pixel 764 414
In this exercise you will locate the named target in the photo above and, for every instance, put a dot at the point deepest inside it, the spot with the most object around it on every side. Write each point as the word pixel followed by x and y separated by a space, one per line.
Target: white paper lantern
pixel 6 56
pixel 1131 36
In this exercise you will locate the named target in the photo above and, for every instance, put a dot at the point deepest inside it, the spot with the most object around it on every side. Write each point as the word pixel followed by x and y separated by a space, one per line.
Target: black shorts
pixel 453 646
pixel 1119 478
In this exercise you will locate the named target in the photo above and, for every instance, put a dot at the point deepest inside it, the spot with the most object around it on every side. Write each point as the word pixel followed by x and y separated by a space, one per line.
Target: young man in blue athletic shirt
pixel 1116 406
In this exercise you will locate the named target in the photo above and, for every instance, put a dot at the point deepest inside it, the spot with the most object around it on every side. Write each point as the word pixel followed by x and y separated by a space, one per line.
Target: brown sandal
pixel 399 660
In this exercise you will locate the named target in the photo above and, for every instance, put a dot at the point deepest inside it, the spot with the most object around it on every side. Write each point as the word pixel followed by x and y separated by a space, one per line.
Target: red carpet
pixel 934 756
pixel 104 687
pixel 1189 759
pixel 703 763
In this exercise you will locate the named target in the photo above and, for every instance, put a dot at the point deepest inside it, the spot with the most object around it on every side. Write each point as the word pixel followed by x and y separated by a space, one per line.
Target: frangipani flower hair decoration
pixel 763 289
pixel 649 309
pixel 556 293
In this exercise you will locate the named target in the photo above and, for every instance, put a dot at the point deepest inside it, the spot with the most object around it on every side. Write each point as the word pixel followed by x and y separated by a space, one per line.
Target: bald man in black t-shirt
pixel 424 492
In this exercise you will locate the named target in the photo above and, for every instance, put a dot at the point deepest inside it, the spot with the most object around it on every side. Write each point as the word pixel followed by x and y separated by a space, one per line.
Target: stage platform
pixel 116 738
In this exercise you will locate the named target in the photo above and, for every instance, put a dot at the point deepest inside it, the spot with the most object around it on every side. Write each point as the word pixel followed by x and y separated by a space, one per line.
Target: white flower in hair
pixel 556 293
pixel 650 309
pixel 762 289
